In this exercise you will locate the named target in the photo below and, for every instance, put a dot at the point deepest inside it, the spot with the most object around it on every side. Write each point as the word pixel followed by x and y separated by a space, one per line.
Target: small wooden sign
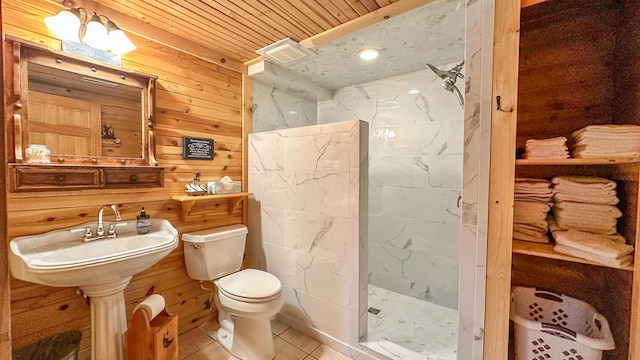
pixel 91 53
pixel 197 148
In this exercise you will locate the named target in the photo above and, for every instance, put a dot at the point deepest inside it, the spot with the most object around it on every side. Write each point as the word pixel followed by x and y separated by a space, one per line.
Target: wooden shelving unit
pixel 189 201
pixel 540 98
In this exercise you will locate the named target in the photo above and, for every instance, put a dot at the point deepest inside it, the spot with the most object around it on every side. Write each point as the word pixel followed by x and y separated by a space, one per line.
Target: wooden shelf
pixel 188 201
pixel 573 161
pixel 546 251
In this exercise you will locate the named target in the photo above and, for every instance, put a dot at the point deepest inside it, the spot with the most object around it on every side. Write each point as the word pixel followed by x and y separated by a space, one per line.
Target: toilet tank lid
pixel 213 234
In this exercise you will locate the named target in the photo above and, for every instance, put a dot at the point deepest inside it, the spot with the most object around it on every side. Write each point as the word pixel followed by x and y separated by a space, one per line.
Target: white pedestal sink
pixel 101 268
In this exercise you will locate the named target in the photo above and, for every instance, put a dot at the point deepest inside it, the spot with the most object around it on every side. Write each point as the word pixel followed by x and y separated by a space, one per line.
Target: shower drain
pixel 373 310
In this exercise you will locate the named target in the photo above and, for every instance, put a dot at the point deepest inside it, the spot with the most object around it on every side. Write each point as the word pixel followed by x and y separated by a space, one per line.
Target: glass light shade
pixel 65 24
pixel 95 34
pixel 119 43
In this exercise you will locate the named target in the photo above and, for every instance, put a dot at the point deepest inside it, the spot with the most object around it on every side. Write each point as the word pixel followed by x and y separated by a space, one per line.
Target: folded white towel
pixel 541 148
pixel 601 245
pixel 596 154
pixel 542 238
pixel 559 140
pixel 532 183
pixel 624 261
pixel 530 229
pixel 587 210
pixel 593 199
pixel 608 129
pixel 602 225
pixel 584 182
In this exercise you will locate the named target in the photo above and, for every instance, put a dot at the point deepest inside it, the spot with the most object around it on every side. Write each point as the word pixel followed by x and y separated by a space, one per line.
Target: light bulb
pixel 369 54
pixel 95 34
pixel 65 24
pixel 119 43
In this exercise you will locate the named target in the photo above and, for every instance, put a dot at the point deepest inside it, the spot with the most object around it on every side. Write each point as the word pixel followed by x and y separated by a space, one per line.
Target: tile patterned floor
pixel 200 344
pixel 419 326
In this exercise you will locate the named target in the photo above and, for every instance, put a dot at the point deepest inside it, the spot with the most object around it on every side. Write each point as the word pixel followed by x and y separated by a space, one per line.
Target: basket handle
pixel 559 331
pixel 549 295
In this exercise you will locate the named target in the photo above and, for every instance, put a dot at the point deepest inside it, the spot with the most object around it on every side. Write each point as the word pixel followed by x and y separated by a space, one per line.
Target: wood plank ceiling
pixel 237 28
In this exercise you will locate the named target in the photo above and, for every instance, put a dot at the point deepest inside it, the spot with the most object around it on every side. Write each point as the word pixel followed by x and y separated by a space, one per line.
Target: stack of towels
pixel 585 220
pixel 532 202
pixel 546 149
pixel 601 141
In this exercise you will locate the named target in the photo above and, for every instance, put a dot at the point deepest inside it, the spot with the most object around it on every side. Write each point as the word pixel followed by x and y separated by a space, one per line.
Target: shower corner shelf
pixel 187 201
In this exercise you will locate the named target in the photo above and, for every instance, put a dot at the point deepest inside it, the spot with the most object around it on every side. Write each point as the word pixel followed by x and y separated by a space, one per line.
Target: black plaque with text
pixel 197 148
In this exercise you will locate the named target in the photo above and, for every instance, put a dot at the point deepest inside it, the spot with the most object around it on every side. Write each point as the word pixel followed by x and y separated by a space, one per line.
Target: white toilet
pixel 246 300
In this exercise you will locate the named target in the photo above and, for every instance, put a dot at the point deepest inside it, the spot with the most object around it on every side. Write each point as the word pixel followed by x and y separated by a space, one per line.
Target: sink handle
pixel 112 230
pixel 87 232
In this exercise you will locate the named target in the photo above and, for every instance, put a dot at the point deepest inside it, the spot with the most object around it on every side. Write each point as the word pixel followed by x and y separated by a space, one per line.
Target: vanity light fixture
pixel 68 25
pixel 368 54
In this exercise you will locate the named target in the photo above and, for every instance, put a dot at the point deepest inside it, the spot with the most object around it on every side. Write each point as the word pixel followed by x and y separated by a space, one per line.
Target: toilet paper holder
pixel 153 334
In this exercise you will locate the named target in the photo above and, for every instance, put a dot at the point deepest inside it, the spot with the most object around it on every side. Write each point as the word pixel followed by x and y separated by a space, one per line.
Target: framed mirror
pixel 81 113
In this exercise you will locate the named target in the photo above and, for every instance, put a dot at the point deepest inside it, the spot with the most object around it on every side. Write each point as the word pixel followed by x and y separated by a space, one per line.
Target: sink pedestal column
pixel 108 319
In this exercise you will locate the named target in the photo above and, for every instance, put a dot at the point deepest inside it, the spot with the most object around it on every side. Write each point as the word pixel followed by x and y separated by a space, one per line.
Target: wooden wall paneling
pixel 196 97
pixel 5 299
pixel 246 13
pixel 620 312
pixel 345 9
pixel 503 145
pixel 566 83
pixel 330 12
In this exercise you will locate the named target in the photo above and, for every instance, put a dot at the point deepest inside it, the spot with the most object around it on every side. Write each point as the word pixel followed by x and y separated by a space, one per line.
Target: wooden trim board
pixel 502 178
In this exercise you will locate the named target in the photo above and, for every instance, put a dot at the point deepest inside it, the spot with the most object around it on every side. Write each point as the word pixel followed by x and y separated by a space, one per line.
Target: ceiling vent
pixel 285 51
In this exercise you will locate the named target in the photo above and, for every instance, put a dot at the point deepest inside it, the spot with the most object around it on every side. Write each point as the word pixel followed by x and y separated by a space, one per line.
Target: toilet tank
pixel 213 253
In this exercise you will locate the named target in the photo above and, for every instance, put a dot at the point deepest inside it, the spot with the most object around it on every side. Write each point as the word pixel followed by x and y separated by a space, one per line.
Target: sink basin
pixel 60 258
pixel 101 269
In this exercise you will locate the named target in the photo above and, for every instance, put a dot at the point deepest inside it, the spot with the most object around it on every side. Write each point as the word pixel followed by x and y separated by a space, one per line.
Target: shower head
pixel 450 77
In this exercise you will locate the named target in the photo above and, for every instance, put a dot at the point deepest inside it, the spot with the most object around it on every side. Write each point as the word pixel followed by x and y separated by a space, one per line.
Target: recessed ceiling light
pixel 368 54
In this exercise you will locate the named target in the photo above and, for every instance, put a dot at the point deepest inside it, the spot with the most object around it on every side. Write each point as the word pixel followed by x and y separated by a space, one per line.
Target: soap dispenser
pixel 143 223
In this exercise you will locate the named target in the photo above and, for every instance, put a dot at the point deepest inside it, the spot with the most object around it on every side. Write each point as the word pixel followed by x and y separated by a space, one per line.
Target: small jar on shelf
pixel 37 154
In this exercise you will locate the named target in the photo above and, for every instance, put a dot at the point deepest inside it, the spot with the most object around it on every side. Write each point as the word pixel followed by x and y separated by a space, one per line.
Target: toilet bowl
pixel 246 299
pixel 244 316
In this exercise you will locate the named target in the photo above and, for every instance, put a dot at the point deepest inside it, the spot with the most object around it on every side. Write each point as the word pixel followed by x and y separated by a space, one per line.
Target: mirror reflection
pixel 79 115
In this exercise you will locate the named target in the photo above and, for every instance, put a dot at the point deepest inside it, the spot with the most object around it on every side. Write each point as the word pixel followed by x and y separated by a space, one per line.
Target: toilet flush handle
pixel 195 246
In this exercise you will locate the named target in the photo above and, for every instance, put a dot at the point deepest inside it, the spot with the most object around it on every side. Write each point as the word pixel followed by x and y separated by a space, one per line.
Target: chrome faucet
pixel 100 233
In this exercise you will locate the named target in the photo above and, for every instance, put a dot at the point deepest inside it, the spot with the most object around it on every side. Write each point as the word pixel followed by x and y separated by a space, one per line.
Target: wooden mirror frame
pixel 66 172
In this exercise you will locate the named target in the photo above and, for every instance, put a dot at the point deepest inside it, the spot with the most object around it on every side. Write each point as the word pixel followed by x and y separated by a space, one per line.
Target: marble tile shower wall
pixel 415 175
pixel 274 109
pixel 306 221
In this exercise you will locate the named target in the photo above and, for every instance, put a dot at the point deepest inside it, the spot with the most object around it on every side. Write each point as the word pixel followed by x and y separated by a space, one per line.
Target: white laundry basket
pixel 552 326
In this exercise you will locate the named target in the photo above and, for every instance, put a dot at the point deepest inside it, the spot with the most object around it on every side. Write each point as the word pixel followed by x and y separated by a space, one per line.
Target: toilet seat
pixel 250 285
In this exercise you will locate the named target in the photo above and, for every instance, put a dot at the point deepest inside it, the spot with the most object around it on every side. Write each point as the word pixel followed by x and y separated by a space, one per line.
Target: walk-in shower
pixel 407 263
pixel 450 77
